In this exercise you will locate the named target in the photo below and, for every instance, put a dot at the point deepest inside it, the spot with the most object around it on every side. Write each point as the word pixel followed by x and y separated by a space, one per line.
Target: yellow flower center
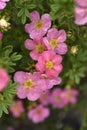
pixel 53 43
pixel 40 48
pixel 38 25
pixel 69 95
pixel 49 64
pixel 28 83
pixel 57 98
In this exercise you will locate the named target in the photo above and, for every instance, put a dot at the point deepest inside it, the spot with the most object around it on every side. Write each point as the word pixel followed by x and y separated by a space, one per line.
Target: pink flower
pixel 37 46
pixel 81 12
pixel 17 108
pixel 3 4
pixel 38 114
pixel 45 98
pixel 70 95
pixel 4 78
pixel 56 98
pixel 50 64
pixel 30 85
pixel 1 35
pixel 38 26
pixel 55 41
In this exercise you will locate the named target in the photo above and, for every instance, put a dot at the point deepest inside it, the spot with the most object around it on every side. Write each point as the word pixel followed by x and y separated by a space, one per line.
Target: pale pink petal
pixel 48 55
pixel 80 15
pixel 52 82
pixel 21 92
pixel 29 28
pixel 61 49
pixel 40 65
pixel 29 44
pixel 46 21
pixel 34 55
pixel 57 59
pixel 2 5
pixel 33 95
pixel 19 76
pixel 34 16
pixel 47 44
pixel 61 36
pixel 52 33
pixel 58 68
pixel 51 73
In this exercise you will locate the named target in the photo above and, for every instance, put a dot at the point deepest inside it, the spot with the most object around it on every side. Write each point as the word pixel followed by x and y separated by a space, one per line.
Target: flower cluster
pixel 81 12
pixel 46 45
pixel 59 98
pixel 3 4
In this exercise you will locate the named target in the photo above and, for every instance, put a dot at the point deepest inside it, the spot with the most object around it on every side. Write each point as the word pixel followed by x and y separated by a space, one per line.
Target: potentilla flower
pixel 50 64
pixel 45 98
pixel 56 98
pixel 38 114
pixel 70 95
pixel 4 78
pixel 55 41
pixel 81 12
pixel 30 85
pixel 17 108
pixel 38 26
pixel 3 4
pixel 37 46
pixel 1 35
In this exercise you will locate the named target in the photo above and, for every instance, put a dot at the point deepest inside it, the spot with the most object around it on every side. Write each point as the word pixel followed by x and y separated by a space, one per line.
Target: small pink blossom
pixel 55 41
pixel 3 4
pixel 38 114
pixel 50 64
pixel 4 78
pixel 37 46
pixel 1 35
pixel 70 95
pixel 30 85
pixel 17 108
pixel 38 26
pixel 81 12
pixel 56 98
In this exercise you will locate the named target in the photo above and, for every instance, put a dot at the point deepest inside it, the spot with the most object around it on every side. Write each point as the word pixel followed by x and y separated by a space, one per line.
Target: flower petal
pixel 29 44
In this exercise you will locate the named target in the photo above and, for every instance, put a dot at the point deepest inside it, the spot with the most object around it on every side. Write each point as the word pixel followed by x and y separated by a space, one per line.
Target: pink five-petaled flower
pixel 38 26
pixel 38 114
pixel 55 41
pixel 70 95
pixel 17 108
pixel 30 85
pixel 3 4
pixel 50 64
pixel 56 98
pixel 4 78
pixel 37 46
pixel 81 12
